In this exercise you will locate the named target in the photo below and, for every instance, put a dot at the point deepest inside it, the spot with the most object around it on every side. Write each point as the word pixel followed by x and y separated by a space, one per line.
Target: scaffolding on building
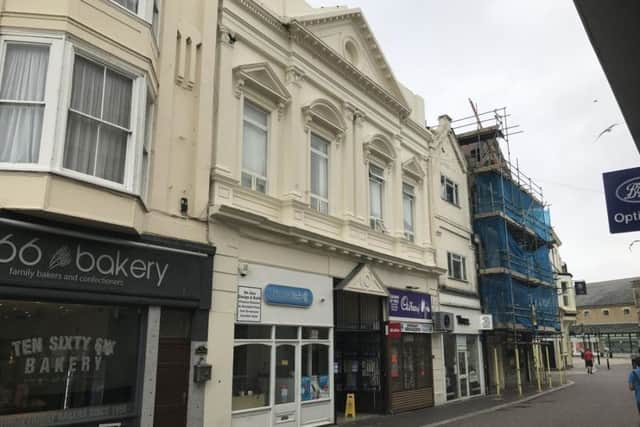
pixel 512 222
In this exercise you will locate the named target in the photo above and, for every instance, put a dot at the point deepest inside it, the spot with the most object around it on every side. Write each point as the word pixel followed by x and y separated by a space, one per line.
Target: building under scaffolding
pixel 514 237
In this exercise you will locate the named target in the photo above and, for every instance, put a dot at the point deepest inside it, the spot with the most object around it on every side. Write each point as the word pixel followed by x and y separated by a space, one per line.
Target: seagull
pixel 632 243
pixel 609 129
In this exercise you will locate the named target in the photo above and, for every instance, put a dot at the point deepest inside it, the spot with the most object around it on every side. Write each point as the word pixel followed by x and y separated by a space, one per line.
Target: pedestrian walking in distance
pixel 588 361
pixel 634 382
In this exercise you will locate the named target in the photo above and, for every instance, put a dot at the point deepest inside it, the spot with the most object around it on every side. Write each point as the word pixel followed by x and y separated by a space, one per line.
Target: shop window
pixel 58 357
pixel 252 332
pixel 475 387
pixel 315 372
pixel 315 333
pixel 287 332
pixel 251 376
pixel 410 362
pixel 285 374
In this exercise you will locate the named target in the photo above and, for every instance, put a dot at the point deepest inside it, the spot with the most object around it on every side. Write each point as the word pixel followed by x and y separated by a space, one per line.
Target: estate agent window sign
pixel 622 192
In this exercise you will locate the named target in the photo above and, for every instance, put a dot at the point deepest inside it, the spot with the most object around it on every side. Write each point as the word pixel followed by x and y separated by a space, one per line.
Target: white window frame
pixel 57 98
pixel 144 12
pixel 453 257
pixel 411 195
pixel 254 177
pixel 52 88
pixel 315 198
pixel 377 223
pixel 447 182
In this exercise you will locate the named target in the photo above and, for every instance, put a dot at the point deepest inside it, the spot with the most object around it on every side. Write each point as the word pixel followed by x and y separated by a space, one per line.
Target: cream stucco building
pixel 223 213
pixel 334 210
pixel 105 261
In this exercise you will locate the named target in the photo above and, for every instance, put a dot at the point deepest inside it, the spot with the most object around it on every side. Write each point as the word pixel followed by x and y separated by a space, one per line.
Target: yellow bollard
pixel 350 406
pixel 495 359
pixel 546 350
pixel 536 362
pixel 518 379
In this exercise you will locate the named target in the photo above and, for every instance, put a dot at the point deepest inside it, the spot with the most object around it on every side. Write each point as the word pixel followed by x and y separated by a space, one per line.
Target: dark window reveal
pixel 58 356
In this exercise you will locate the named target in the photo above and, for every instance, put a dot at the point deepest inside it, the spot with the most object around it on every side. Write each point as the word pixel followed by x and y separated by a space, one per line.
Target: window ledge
pixel 251 410
pixel 458 280
pixel 308 402
pixel 67 173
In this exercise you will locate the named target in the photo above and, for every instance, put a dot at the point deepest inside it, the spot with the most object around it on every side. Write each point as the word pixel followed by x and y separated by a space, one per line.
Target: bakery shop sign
pixel 37 257
pixel 60 354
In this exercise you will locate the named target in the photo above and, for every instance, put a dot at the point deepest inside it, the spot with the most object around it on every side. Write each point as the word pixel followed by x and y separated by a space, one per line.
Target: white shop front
pixel 283 349
pixel 463 356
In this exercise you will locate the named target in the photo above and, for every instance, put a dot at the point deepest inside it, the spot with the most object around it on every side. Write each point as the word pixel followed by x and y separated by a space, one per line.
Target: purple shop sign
pixel 409 304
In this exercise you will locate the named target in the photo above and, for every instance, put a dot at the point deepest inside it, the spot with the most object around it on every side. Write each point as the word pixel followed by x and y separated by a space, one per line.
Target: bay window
pixel 319 198
pixel 376 195
pixel 255 135
pixel 99 121
pixel 408 210
pixel 88 120
pixel 22 101
pixel 131 5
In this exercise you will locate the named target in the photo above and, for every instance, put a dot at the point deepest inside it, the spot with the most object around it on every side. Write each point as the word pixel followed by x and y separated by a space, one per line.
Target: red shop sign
pixel 394 330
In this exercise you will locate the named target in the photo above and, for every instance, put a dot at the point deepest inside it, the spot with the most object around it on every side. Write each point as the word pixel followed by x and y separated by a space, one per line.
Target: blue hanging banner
pixel 622 191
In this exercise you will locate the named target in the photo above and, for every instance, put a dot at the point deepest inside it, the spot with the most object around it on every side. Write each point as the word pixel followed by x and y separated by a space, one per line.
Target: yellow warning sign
pixel 350 407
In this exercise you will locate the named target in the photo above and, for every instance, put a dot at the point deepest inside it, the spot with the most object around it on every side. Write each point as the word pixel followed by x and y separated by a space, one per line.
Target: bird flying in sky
pixel 609 129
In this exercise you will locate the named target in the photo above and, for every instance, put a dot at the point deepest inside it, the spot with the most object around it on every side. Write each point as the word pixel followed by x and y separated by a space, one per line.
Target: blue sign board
pixel 622 191
pixel 409 304
pixel 288 295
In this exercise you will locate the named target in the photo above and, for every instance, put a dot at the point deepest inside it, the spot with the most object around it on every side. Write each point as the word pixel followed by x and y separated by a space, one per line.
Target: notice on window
pixel 249 307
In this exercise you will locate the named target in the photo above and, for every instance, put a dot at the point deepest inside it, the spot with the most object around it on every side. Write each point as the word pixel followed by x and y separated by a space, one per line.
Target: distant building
pixel 566 304
pixel 607 317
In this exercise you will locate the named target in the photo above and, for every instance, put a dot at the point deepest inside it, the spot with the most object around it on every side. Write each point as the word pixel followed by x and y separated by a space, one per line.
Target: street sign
pixel 622 192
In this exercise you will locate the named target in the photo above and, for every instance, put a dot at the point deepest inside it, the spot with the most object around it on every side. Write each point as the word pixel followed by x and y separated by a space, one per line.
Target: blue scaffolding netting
pixel 495 192
pixel 514 302
pixel 501 249
pixel 515 234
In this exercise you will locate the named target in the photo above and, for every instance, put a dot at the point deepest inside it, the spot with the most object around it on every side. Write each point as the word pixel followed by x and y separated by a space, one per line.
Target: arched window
pixel 379 156
pixel 325 127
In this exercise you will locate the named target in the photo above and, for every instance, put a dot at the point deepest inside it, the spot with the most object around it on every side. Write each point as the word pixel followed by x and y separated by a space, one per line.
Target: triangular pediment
pixel 363 280
pixel 347 32
pixel 263 78
pixel 412 168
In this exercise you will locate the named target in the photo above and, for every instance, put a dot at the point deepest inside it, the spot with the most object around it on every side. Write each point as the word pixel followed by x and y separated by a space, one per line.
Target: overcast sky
pixel 534 58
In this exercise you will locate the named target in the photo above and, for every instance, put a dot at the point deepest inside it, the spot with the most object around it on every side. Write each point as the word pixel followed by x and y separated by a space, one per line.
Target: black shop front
pixel 99 329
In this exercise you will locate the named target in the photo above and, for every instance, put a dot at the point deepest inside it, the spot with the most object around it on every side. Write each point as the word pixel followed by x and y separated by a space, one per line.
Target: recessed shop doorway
pixel 358 355
pixel 172 381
